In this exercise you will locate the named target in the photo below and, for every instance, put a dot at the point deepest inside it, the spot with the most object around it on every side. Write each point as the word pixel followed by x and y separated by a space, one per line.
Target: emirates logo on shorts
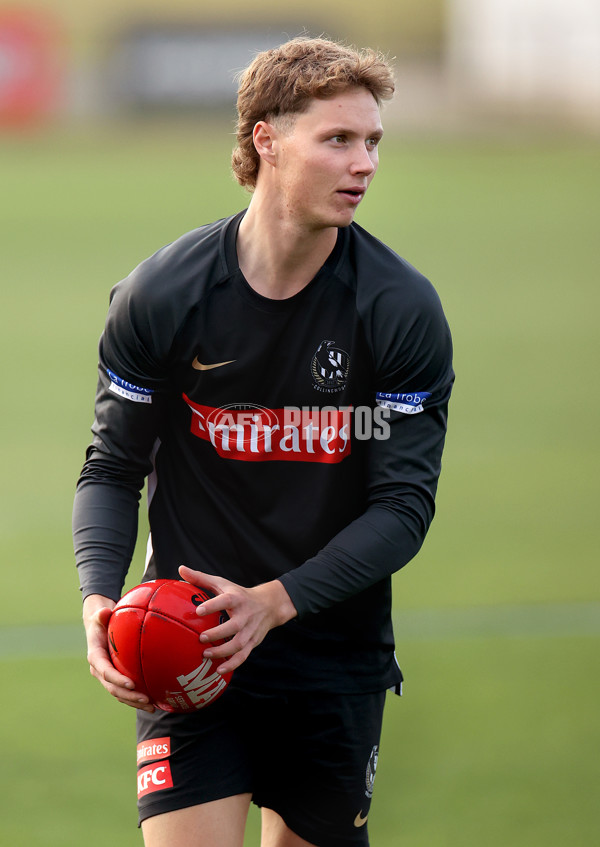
pixel 153 748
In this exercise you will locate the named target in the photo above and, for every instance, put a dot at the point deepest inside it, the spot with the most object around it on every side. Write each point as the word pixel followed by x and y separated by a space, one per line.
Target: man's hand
pixel 96 614
pixel 252 613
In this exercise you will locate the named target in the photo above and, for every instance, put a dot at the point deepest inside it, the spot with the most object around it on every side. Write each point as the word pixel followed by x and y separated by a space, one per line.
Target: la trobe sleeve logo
pixel 408 404
pixel 329 368
pixel 128 390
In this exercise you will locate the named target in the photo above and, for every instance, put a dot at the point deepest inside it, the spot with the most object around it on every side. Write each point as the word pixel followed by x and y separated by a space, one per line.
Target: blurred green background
pixel 495 740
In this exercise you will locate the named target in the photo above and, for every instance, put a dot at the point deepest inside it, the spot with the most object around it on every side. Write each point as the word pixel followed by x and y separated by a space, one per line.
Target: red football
pixel 154 639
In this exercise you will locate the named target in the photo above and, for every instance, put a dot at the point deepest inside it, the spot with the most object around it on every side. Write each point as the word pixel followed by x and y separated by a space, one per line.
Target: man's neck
pixel 277 258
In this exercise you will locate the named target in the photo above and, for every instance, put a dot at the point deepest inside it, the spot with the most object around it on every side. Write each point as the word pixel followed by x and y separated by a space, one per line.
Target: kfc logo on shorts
pixel 155 777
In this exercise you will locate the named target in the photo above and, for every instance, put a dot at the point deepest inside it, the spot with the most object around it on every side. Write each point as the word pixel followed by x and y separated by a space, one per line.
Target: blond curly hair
pixel 281 82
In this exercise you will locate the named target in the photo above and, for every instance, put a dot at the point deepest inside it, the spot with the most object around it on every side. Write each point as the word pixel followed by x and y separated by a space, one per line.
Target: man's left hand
pixel 252 613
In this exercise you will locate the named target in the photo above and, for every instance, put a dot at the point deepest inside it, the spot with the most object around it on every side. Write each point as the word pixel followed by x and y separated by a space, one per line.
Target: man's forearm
pixel 105 518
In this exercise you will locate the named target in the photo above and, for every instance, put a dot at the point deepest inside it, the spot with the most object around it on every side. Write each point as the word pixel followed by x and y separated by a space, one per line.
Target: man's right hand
pixel 96 614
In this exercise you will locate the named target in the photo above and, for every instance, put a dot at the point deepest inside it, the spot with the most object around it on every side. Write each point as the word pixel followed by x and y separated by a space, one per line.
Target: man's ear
pixel 263 136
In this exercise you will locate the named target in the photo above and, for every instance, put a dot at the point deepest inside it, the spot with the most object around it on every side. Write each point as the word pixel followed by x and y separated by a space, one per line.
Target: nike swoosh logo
pixel 359 820
pixel 200 367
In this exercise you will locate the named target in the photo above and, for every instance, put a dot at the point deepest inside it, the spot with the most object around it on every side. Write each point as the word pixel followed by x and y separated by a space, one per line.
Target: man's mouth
pixel 354 194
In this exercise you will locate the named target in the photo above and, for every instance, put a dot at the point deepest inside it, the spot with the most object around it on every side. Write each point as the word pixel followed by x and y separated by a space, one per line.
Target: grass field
pixel 495 740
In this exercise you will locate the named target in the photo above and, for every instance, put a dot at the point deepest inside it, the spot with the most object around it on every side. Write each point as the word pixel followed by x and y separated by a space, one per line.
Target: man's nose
pixel 364 162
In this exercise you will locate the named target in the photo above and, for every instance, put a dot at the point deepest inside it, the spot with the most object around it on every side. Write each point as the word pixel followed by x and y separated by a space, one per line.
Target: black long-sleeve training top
pixel 298 439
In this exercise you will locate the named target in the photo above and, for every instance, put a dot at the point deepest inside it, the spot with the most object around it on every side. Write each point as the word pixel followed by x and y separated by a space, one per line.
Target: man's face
pixel 327 159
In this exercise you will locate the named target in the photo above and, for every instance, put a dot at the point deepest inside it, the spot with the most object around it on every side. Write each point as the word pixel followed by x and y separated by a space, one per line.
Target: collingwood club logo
pixel 329 367
pixel 361 818
pixel 370 771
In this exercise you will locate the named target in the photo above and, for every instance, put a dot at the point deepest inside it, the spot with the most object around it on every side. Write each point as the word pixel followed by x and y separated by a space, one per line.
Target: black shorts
pixel 309 756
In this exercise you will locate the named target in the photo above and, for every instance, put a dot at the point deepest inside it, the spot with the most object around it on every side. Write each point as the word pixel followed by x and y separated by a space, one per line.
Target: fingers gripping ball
pixel 154 639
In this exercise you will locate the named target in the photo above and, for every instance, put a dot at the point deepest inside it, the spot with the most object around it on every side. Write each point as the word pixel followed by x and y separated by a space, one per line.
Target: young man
pixel 282 377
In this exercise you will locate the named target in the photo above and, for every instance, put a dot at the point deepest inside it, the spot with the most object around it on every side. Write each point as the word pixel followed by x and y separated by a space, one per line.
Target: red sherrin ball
pixel 154 639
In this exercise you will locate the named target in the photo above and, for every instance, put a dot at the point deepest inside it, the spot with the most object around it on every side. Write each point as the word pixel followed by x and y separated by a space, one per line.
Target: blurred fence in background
pixel 533 58
pixel 460 63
